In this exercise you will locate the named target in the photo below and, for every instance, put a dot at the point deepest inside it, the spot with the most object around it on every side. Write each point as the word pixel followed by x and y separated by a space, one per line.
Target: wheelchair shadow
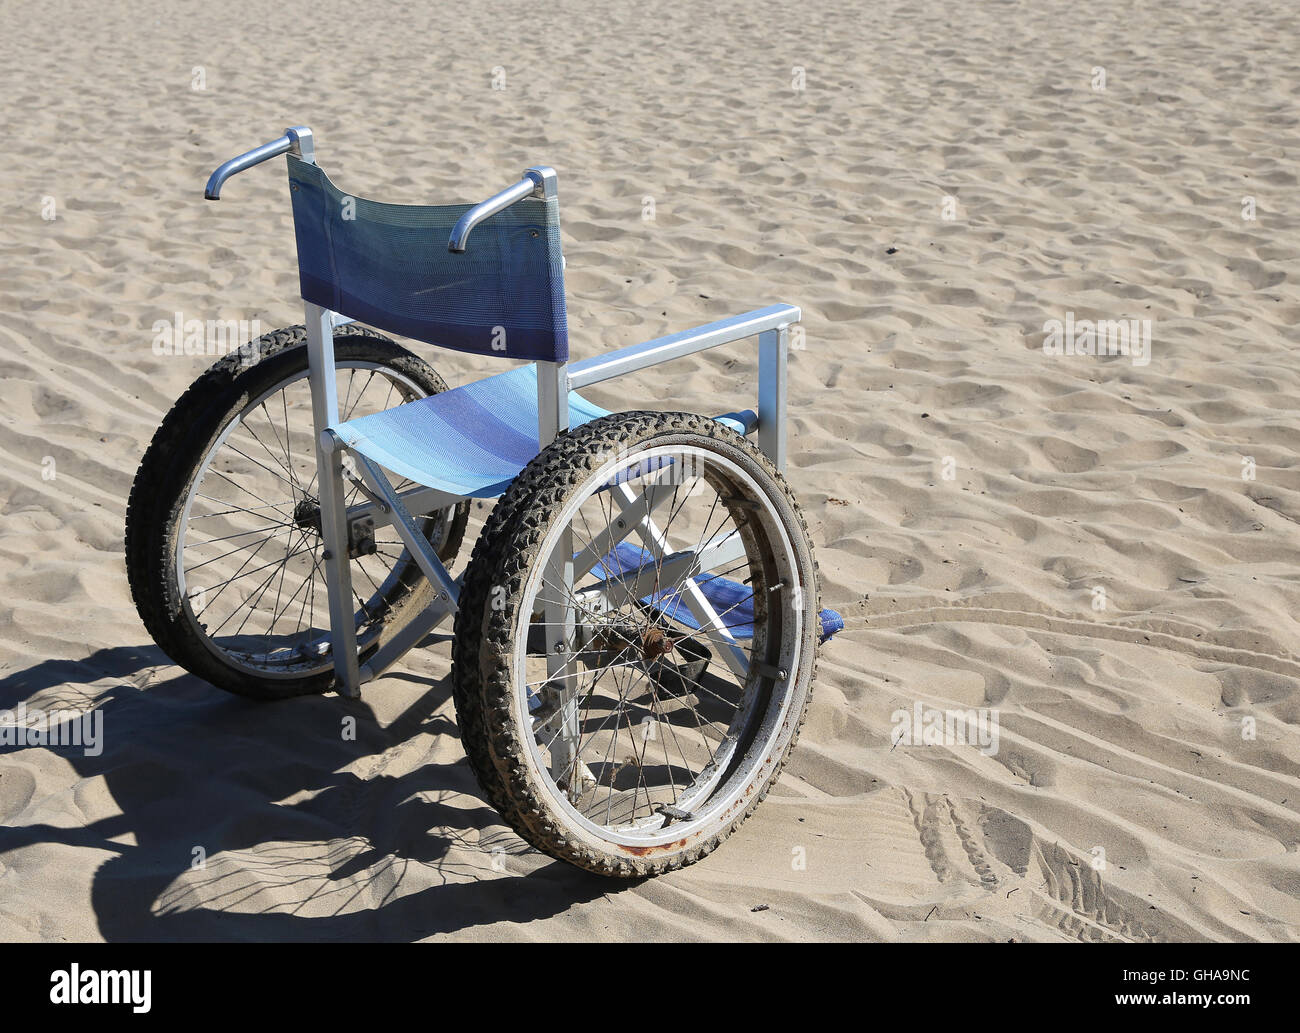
pixel 295 847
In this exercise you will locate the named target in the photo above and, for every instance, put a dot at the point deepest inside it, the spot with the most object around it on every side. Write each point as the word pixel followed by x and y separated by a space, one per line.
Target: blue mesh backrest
pixel 388 265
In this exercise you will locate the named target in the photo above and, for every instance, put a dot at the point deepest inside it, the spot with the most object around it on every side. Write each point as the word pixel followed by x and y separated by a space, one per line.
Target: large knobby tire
pixel 491 628
pixel 167 476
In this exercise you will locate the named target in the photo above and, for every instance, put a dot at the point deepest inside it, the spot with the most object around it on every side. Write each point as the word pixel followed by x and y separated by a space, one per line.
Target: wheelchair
pixel 636 631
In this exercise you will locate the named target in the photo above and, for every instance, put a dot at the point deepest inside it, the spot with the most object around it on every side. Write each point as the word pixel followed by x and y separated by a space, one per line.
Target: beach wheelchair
pixel 636 631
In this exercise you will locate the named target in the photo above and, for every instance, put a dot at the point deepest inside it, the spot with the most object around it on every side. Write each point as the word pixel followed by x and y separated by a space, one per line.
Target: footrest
pixel 733 601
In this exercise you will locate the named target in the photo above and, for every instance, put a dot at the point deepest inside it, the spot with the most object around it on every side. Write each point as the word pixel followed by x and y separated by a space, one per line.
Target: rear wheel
pixel 223 541
pixel 632 721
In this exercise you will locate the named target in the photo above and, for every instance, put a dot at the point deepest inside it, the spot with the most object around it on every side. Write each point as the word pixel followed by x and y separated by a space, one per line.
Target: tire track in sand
pixel 1170 635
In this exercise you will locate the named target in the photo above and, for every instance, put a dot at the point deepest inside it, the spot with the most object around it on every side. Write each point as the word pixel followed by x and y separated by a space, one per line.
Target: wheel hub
pixel 655 643
pixel 306 514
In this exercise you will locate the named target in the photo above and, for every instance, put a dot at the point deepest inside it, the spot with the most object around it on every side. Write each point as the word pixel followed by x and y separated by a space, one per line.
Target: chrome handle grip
pixel 296 139
pixel 485 210
pixel 538 181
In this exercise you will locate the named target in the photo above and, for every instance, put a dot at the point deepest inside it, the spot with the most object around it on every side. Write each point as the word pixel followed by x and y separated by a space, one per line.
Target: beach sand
pixel 948 179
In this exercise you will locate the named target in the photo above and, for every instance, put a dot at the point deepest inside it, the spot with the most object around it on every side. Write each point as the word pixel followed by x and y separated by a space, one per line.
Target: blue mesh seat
pixel 470 441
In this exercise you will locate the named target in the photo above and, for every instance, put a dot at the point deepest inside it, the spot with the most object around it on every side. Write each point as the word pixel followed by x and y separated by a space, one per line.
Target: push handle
pixel 296 139
pixel 538 181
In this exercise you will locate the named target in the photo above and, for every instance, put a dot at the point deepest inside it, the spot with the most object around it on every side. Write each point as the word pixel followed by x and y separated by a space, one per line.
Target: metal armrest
pixel 674 346
pixel 771 324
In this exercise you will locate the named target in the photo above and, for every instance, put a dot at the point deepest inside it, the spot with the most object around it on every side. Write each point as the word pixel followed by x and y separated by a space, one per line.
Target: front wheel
pixel 636 642
pixel 223 539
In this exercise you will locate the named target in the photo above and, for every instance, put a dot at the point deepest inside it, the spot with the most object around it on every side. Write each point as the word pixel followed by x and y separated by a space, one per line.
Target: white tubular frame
pixel 554 382
pixel 333 514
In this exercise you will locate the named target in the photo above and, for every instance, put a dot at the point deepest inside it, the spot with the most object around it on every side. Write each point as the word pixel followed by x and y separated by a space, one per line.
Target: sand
pixel 948 180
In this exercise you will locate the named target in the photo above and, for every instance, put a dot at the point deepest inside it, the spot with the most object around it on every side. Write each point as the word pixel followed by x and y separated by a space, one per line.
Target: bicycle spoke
pixel 633 676
pixel 270 546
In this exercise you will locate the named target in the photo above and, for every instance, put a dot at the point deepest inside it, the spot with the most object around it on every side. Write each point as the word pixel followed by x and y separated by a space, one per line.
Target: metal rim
pixel 764 698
